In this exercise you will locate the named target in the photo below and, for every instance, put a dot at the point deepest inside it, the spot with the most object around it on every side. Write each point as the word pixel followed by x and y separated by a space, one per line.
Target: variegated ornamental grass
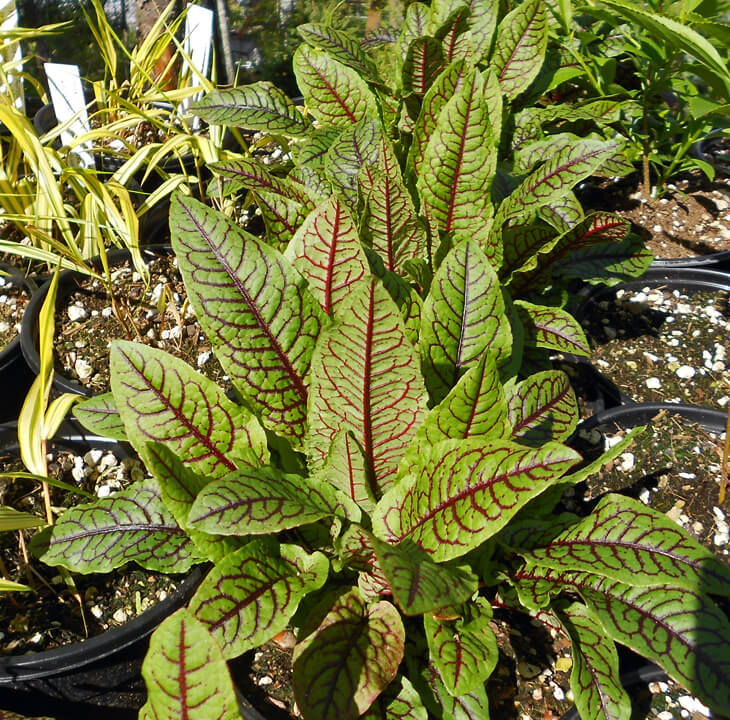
pixel 398 455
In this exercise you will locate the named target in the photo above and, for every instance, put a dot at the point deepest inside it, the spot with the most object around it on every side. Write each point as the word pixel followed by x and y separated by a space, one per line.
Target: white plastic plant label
pixel 198 44
pixel 69 104
pixel 11 55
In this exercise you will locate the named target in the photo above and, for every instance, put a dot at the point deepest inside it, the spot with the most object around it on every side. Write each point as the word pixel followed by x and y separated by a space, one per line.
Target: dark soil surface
pixel 663 345
pixel 13 299
pixel 52 616
pixel 692 217
pixel 158 315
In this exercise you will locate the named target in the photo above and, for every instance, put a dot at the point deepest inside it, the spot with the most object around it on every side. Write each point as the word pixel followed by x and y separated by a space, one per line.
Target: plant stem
pixel 725 465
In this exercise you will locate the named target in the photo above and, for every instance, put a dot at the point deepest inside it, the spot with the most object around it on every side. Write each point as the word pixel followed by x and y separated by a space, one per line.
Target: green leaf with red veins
pixel 259 502
pixel 566 213
pixel 418 584
pixel 355 551
pixel 475 407
pixel 342 667
pixel 423 62
pixel 313 180
pixel 445 86
pixel 162 399
pixel 100 416
pixel 326 250
pixel 255 308
pixel 390 224
pixel 455 37
pixel 247 173
pixel 417 23
pixel 470 706
pixel 282 218
pixel 334 93
pixel 131 526
pixel 347 469
pixel 542 408
pixel 594 678
pixel 186 674
pixel 522 245
pixel 179 486
pixel 399 701
pixel 356 150
pixel 464 651
pixel 554 178
pixel 552 328
pixel 259 106
pixel 365 379
pixel 340 45
pixel 519 51
pixel 533 153
pixel 495 102
pixel 251 595
pixel 313 153
pixel 459 163
pixel 630 542
pixel 482 23
pixel 620 261
pixel 682 630
pixel 466 492
pixel 463 315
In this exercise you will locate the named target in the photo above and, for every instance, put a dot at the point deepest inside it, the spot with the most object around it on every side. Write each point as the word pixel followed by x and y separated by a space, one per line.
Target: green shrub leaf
pixel 354 654
pixel 162 399
pixel 251 595
pixel 186 674
pixel 552 328
pixel 424 61
pixel 356 149
pixel 263 325
pixel 340 45
pixel 399 701
pixel 100 416
pixel 133 525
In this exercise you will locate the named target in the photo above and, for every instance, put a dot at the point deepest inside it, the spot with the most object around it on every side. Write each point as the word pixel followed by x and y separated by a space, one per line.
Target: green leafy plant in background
pixel 665 65
pixel 396 463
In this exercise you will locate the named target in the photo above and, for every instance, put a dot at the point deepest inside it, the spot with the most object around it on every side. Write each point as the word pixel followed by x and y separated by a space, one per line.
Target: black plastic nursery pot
pixel 688 280
pixel 16 376
pixel 67 284
pixel 103 671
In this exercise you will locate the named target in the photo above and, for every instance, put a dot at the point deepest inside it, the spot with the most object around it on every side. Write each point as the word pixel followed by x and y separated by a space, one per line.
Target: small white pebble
pixel 76 313
pixel 103 491
pixel 693 705
pixel 106 312
pixel 83 369
pixel 653 383
pixel 265 680
pixel 120 616
pixel 644 495
pixel 627 461
pixel 685 372
pixel 203 358
pixel 92 457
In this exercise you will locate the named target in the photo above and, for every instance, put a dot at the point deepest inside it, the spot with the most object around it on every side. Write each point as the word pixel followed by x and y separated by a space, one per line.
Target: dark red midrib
pixel 455 185
pixel 332 252
pixel 388 218
pixel 351 116
pixel 294 378
pixel 464 311
pixel 367 371
pixel 182 677
pixel 519 44
pixel 527 419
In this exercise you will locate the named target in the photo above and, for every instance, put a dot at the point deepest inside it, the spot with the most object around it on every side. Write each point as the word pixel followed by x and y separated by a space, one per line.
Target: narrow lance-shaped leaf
pixel 416 24
pixel 624 260
pixel 483 22
pixel 564 214
pixel 522 245
pixel 100 416
pixel 259 502
pixel 459 163
pixel 255 308
pixel 466 492
pixel 162 399
pixel 554 178
pixel 552 328
pixel 179 486
pixel 520 47
pixel 340 45
pixel 543 407
pixel 443 89
pixel 423 62
pixel 251 595
pixel 399 701
pixel 464 314
pixel 419 585
pixel 628 541
pixel 131 526
pixel 366 380
pixel 260 106
pixel 354 654
pixel 680 629
pixel 334 93
pixel 347 469
pixel 455 35
pixel 473 705
pixel 390 223
pixel 465 650
pixel 475 407
pixel 327 251
pixel 355 151
pixel 594 678
pixel 282 217
pixel 186 674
